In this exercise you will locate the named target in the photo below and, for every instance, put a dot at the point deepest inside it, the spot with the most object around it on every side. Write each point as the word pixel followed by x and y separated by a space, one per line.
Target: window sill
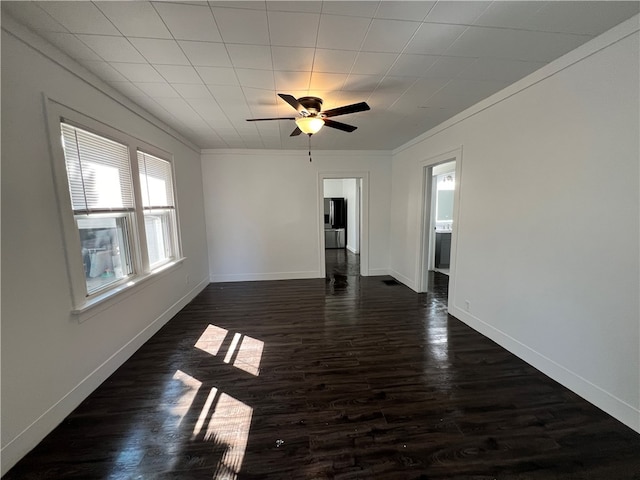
pixel 99 303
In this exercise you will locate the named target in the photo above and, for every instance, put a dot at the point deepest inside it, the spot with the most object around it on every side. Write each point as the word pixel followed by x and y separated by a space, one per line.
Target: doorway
pixel 343 206
pixel 438 235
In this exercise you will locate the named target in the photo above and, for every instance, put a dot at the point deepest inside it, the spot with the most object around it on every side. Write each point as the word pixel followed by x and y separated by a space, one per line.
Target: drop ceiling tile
pixel 152 106
pixel 424 88
pixel 382 100
pixel 395 84
pixel 160 51
pixel 256 78
pixel 250 56
pixel 448 67
pixel 497 69
pixel 138 72
pixel 514 44
pixel 509 14
pixel 112 49
pixel 242 26
pixel 389 35
pixel 268 128
pixel 261 111
pixel 69 43
pixel 288 6
pixel 459 93
pixel 244 4
pixel 333 61
pixel 260 97
pixel 403 10
pixel 591 18
pixel 207 108
pixel 361 83
pixel 157 89
pixel 34 17
pixel 290 81
pixel 227 94
pixel 180 108
pixel 434 39
pixel 293 29
pixel 327 81
pixel 461 13
pixel 128 89
pixel 135 19
pixel 292 58
pixel 340 32
pixel 189 22
pixel 412 65
pixel 206 53
pixel 80 17
pixel 104 70
pixel 238 115
pixel 178 74
pixel 373 63
pixel 217 75
pixel 351 8
pixel 191 90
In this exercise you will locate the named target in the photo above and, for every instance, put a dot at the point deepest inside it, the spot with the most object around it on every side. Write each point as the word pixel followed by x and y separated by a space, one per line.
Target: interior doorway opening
pixel 341 200
pixel 438 236
pixel 343 212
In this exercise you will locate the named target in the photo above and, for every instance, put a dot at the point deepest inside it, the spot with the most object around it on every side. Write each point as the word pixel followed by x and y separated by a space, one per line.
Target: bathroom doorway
pixel 438 235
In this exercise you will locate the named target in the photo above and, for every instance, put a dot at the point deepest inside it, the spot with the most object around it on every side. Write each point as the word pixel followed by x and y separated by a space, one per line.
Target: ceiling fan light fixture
pixel 309 125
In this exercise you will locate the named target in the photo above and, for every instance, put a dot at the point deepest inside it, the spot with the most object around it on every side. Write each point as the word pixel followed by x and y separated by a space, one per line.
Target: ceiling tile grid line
pixel 198 74
pixel 207 66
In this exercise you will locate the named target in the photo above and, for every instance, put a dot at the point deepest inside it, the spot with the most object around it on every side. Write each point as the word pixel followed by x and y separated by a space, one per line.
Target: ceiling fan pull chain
pixel 309 148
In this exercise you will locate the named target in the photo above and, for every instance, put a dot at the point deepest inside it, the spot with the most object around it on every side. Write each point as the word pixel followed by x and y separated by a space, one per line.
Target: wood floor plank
pixel 341 378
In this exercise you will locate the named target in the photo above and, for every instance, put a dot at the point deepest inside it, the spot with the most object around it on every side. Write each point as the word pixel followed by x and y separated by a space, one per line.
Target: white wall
pixel 333 188
pixel 548 226
pixel 50 361
pixel 350 193
pixel 262 211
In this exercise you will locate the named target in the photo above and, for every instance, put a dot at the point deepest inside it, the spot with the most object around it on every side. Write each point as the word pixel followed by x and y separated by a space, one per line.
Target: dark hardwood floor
pixel 345 378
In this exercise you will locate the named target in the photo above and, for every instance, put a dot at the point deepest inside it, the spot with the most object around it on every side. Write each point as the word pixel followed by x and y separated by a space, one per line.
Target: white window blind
pixel 156 183
pixel 98 172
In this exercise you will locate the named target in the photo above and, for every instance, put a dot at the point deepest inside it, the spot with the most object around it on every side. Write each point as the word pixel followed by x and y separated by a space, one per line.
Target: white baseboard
pixel 26 440
pixel 405 280
pixel 251 277
pixel 374 272
pixel 617 408
pixel 352 250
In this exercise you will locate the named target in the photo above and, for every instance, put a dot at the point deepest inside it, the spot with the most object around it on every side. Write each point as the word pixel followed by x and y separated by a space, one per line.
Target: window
pixel 159 209
pixel 124 211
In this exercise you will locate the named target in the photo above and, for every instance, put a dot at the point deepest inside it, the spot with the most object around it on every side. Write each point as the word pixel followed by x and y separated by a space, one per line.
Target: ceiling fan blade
pixel 354 108
pixel 339 125
pixel 276 118
pixel 296 132
pixel 293 101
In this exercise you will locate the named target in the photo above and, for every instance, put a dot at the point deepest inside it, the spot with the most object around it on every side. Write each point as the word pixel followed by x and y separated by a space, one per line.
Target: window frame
pixel 168 211
pixel 84 304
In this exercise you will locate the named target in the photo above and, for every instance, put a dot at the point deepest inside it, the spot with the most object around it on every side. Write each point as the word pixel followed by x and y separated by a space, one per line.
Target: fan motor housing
pixel 312 104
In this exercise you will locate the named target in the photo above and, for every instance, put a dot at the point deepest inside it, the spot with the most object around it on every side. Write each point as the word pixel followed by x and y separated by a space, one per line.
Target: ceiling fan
pixel 312 118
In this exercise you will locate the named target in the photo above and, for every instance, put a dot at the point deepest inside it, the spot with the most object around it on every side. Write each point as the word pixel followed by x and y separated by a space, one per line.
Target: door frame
pixel 363 182
pixel 425 235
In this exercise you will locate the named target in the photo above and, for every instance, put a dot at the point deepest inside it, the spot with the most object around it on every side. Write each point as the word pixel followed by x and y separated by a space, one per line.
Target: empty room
pixel 320 240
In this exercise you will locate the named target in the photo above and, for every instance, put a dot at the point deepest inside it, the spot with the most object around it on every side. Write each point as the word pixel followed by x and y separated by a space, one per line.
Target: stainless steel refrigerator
pixel 335 222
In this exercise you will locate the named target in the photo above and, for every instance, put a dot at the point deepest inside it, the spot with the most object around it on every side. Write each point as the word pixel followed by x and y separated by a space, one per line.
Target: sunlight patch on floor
pixel 211 339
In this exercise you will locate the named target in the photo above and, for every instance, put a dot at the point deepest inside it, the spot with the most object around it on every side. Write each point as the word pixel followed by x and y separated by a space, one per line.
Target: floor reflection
pixel 342 270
